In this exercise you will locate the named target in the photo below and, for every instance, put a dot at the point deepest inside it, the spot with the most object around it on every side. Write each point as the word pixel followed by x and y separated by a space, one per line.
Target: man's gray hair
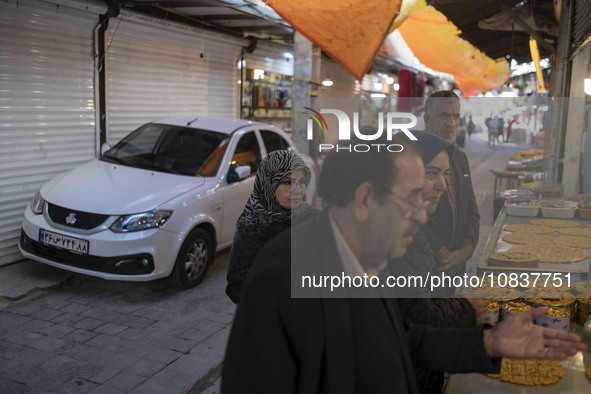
pixel 442 96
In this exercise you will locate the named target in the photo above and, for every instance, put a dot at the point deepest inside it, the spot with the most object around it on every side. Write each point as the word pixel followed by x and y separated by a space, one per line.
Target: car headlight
pixel 37 204
pixel 140 221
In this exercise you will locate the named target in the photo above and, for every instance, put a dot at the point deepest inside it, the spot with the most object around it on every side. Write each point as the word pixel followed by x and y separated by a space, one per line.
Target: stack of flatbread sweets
pixel 533 372
pixel 529 372
pixel 543 240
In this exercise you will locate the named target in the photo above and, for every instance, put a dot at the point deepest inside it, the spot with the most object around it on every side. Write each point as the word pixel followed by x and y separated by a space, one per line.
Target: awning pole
pixel 553 146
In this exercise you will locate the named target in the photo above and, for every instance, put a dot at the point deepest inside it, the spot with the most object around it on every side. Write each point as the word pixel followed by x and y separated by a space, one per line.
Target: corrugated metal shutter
pixel 223 79
pixel 344 84
pixel 157 69
pixel 582 24
pixel 47 112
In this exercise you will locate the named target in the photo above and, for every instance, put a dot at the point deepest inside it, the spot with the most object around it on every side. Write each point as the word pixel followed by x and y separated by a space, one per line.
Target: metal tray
pixel 579 270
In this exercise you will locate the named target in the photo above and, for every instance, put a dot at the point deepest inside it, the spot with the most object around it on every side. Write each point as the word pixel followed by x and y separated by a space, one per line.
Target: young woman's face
pixel 436 172
pixel 291 190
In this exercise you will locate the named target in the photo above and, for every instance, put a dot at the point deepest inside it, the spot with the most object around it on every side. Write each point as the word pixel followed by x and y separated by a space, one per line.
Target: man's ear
pixel 363 195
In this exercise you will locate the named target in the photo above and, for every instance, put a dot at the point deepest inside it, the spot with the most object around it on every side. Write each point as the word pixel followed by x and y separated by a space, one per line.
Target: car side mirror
pixel 238 173
pixel 104 147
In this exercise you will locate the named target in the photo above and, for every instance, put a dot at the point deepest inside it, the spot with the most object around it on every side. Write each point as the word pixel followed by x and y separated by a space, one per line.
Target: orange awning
pixel 436 43
pixel 349 31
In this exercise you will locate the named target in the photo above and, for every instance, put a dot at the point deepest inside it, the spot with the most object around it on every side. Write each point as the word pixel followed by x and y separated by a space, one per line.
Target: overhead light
pixel 396 86
pixel 389 80
pixel 327 82
pixel 288 55
pixel 587 86
pixel 258 73
pixel 378 86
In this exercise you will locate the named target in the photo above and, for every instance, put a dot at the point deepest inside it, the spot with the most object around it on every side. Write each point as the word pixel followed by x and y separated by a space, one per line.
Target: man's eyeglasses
pixel 289 184
pixel 416 208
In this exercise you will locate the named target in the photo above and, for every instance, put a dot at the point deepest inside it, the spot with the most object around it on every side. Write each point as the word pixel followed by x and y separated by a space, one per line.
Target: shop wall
pixel 157 69
pixel 47 111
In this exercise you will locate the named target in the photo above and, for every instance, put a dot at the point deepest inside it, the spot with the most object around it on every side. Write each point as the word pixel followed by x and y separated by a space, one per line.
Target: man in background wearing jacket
pixel 454 228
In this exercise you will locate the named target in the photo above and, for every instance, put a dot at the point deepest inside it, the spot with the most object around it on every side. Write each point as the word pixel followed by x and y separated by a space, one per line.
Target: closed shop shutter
pixel 47 112
pixel 344 85
pixel 157 69
pixel 582 23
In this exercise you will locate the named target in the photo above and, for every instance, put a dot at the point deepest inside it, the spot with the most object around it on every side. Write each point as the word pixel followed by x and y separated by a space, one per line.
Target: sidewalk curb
pixel 22 278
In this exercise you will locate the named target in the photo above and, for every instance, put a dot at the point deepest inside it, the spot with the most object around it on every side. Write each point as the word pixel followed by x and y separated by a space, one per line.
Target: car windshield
pixel 173 149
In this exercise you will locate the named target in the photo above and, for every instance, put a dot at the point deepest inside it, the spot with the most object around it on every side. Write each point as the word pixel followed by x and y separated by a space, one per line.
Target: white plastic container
pixel 529 208
pixel 518 195
pixel 558 209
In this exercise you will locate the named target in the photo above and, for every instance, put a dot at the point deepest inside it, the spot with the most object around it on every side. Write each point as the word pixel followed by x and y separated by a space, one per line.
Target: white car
pixel 158 204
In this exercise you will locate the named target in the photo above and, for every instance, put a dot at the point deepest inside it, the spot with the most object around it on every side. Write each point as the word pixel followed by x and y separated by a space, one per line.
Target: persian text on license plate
pixel 61 241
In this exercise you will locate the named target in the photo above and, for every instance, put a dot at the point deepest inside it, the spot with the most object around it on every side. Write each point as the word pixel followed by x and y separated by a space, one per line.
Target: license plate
pixel 61 241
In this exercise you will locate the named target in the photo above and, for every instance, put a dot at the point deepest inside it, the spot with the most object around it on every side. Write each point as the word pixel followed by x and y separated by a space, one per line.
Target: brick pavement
pixel 95 336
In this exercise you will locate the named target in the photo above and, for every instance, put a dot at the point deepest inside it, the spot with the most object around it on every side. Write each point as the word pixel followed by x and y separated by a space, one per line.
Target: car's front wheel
pixel 193 260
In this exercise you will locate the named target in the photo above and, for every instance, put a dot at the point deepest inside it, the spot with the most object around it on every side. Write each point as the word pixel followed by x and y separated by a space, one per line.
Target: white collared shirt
pixel 351 265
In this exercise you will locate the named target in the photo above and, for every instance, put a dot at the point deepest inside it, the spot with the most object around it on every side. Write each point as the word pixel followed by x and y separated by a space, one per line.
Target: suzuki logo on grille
pixel 71 219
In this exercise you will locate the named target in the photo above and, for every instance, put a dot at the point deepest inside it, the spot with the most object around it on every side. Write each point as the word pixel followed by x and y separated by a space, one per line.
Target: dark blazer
pixel 427 307
pixel 456 222
pixel 423 305
pixel 280 344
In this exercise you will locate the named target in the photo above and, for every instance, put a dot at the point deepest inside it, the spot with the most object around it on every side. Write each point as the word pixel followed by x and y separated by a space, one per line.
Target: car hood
pixel 113 189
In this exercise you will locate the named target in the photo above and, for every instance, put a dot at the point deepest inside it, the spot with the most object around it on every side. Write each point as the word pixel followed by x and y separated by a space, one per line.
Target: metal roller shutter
pixel 157 69
pixel 47 112
pixel 582 22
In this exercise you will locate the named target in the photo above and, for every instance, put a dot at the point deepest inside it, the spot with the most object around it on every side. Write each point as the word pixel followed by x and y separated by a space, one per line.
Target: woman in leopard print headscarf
pixel 276 200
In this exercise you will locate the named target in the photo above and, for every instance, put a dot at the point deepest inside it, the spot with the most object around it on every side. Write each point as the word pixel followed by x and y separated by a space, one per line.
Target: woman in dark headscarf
pixel 419 260
pixel 277 199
